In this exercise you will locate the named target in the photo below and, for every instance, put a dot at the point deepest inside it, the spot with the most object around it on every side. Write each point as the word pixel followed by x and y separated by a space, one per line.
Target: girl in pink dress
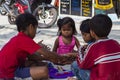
pixel 66 41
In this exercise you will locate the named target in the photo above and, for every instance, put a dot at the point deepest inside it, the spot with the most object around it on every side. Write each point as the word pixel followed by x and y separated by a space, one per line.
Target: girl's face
pixel 66 30
pixel 86 37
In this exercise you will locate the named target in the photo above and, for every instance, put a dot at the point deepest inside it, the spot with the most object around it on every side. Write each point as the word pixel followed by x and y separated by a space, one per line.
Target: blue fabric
pixel 81 74
pixel 55 74
pixel 22 72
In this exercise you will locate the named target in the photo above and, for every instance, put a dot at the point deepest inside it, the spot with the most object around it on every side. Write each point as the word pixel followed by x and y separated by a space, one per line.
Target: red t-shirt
pixel 102 58
pixel 14 54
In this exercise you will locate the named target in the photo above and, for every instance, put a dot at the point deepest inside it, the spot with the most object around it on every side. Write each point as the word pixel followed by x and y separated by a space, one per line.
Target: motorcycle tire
pixel 48 19
pixel 3 13
pixel 11 19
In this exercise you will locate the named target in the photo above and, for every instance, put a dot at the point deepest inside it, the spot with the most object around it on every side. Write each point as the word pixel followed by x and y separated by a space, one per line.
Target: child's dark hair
pixel 24 20
pixel 64 21
pixel 101 24
pixel 85 27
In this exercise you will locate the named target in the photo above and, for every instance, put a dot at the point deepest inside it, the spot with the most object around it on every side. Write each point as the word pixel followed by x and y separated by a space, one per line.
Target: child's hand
pixel 83 48
pixel 63 60
pixel 67 59
pixel 44 46
pixel 71 56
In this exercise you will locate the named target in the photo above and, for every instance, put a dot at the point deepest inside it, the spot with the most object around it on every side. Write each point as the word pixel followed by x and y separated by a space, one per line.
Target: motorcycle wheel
pixel 47 19
pixel 3 13
pixel 11 19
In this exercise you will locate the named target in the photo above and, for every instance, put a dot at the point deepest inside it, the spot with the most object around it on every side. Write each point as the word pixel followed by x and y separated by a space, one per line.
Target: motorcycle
pixel 2 10
pixel 45 13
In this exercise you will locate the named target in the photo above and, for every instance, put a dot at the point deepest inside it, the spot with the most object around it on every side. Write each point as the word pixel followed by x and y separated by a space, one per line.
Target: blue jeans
pixel 22 72
pixel 81 74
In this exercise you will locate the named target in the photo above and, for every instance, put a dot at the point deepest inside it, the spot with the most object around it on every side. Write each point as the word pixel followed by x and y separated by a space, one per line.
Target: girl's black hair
pixel 85 27
pixel 101 24
pixel 24 20
pixel 64 21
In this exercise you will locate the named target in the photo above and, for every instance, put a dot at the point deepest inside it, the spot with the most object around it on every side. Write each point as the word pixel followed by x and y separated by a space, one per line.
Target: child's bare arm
pixel 72 54
pixel 44 45
pixel 52 56
pixel 77 43
pixel 56 44
pixel 71 57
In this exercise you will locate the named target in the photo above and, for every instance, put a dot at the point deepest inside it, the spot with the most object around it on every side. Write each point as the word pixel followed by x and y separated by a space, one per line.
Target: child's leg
pixel 80 73
pixel 35 73
pixel 75 69
pixel 38 73
pixel 85 74
pixel 22 72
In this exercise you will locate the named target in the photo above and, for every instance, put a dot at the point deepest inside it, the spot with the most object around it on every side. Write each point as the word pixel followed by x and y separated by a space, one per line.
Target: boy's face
pixel 86 37
pixel 93 34
pixel 32 31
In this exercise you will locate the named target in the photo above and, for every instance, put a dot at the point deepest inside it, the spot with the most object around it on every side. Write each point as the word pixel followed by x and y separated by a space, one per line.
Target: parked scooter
pixel 2 9
pixel 45 13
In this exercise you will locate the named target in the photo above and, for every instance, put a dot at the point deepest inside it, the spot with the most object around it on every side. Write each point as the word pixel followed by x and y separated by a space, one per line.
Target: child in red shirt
pixel 85 32
pixel 14 54
pixel 102 57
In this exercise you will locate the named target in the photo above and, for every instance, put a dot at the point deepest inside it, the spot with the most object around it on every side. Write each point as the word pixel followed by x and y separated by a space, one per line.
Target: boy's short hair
pixel 101 24
pixel 24 20
pixel 85 27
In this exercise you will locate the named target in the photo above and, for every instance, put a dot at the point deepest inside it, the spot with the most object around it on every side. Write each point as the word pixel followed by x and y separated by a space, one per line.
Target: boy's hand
pixel 83 48
pixel 71 56
pixel 65 60
pixel 43 45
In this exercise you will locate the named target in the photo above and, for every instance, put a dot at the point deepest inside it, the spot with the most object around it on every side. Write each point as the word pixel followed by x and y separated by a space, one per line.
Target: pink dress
pixel 63 48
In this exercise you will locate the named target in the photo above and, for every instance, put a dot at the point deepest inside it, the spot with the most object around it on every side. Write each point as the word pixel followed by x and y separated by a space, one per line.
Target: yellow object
pixel 100 4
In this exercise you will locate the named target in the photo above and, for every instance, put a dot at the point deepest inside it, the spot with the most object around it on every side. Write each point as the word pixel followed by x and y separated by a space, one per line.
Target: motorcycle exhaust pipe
pixel 7 8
